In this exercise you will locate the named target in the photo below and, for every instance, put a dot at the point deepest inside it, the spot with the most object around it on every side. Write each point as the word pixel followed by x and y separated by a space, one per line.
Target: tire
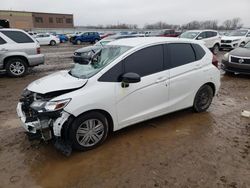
pixel 203 98
pixel 52 43
pixel 216 49
pixel 78 42
pixel 16 67
pixel 89 131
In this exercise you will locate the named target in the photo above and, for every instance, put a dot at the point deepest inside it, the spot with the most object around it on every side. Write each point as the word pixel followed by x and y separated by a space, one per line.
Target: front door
pixel 149 97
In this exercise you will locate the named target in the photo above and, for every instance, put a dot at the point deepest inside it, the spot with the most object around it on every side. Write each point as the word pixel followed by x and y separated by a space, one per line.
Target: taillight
pixel 215 61
pixel 38 50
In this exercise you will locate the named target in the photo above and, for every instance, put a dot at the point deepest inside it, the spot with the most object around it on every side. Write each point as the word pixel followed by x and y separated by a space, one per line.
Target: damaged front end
pixel 44 118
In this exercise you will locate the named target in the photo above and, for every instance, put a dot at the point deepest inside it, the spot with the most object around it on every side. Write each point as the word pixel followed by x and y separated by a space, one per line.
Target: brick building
pixel 33 20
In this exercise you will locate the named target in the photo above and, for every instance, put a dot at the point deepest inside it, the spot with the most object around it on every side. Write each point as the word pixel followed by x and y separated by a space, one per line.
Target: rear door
pixel 185 74
pixel 148 98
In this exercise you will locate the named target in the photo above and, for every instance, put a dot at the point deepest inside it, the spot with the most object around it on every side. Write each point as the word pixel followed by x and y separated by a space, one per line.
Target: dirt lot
pixel 182 149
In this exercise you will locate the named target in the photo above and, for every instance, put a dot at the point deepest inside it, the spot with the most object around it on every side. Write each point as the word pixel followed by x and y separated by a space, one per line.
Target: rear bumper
pixel 35 60
pixel 235 67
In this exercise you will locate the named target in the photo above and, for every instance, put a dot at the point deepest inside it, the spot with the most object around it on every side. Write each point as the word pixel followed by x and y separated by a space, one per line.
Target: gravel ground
pixel 183 149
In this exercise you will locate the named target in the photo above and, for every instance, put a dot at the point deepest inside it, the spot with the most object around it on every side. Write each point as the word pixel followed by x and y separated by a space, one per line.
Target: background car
pixel 235 39
pixel 47 39
pixel 18 51
pixel 83 55
pixel 211 38
pixel 237 61
pixel 91 37
pixel 63 38
pixel 164 33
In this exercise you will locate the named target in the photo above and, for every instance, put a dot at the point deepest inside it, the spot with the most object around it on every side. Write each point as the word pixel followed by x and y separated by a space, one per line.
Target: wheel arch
pixel 212 85
pixel 65 127
pixel 6 59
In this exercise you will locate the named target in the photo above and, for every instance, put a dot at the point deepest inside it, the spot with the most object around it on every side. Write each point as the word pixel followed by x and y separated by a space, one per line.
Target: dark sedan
pixel 237 61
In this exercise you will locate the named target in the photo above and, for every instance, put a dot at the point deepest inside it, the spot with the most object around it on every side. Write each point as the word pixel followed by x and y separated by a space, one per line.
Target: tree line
pixel 229 24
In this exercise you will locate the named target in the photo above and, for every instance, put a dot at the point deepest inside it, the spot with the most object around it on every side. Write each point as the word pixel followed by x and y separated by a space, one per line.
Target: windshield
pixel 102 42
pixel 189 35
pixel 247 45
pixel 238 33
pixel 100 60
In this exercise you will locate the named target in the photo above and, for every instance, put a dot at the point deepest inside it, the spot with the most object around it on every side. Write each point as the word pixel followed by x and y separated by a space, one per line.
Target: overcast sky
pixel 94 12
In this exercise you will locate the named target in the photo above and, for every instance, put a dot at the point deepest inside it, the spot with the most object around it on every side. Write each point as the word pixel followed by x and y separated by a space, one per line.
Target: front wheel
pixel 89 131
pixel 203 98
pixel 78 42
pixel 16 67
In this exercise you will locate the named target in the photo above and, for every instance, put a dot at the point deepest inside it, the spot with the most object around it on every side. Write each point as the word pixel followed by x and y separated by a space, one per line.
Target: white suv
pixel 211 38
pixel 18 51
pixel 128 81
pixel 235 39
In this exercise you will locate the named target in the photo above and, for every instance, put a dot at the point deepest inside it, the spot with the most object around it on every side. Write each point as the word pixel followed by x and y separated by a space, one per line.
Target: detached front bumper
pixel 45 125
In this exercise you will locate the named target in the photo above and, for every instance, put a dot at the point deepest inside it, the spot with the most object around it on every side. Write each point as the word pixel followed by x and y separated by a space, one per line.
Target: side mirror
pixel 199 38
pixel 129 78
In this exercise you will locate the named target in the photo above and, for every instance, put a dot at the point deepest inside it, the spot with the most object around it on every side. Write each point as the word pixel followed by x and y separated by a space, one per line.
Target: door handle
pixel 161 79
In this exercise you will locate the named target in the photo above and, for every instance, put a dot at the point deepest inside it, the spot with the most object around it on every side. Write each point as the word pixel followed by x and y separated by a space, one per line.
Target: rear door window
pixel 18 37
pixel 2 41
pixel 146 61
pixel 180 54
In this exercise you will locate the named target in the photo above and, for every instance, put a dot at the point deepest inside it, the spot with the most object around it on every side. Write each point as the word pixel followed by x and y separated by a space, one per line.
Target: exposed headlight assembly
pixel 49 106
pixel 56 105
pixel 236 40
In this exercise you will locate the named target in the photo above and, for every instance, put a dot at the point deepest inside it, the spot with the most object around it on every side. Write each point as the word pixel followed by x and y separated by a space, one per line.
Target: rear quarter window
pixel 180 54
pixel 2 41
pixel 199 51
pixel 18 36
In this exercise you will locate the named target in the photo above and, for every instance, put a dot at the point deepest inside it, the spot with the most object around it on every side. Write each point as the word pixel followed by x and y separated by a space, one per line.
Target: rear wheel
pixel 89 131
pixel 52 43
pixel 16 67
pixel 203 98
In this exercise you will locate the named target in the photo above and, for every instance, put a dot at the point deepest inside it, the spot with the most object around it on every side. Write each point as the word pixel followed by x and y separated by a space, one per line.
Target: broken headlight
pixel 49 106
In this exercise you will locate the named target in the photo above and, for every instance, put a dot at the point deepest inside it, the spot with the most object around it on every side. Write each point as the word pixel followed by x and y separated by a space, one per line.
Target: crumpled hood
pixel 241 52
pixel 56 82
pixel 231 38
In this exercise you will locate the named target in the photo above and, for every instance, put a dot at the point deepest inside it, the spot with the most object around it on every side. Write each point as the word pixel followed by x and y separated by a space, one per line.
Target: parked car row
pixel 214 41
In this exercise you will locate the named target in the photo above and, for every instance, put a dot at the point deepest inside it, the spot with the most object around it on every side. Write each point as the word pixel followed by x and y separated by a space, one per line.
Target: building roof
pixel 33 12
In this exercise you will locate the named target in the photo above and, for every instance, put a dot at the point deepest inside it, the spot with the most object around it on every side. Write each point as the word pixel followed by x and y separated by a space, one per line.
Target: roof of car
pixel 10 29
pixel 201 30
pixel 144 41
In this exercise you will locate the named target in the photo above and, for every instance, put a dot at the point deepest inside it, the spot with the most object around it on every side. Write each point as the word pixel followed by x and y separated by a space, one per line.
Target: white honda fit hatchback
pixel 128 81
